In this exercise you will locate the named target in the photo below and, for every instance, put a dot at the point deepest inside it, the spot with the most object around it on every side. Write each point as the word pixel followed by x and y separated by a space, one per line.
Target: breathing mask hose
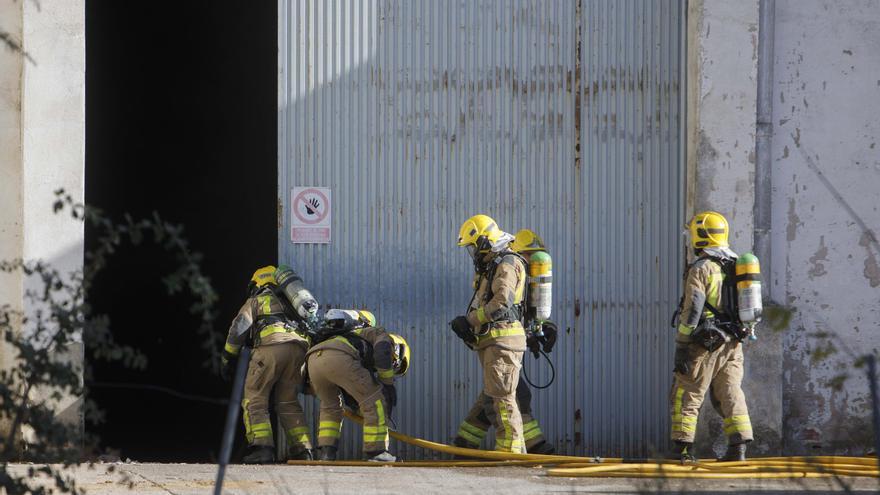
pixel 552 373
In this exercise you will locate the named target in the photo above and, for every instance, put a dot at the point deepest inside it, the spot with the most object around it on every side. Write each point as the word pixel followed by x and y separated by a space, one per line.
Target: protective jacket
pixel 343 363
pixel 372 346
pixel 718 372
pixel 494 312
pixel 702 283
pixel 262 321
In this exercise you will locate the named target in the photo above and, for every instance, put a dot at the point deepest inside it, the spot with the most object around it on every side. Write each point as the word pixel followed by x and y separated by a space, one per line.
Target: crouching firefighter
pixel 718 310
pixel 273 321
pixel 541 334
pixel 493 329
pixel 352 357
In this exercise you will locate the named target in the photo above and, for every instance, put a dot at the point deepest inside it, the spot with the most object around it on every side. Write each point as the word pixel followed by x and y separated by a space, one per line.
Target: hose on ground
pixel 595 467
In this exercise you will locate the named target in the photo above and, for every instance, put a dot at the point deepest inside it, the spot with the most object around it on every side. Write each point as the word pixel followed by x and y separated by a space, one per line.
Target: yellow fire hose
pixel 595 467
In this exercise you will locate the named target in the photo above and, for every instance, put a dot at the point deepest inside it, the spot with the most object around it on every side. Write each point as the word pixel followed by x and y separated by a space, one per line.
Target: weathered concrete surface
pixel 42 147
pixel 826 213
pixel 722 90
pixel 181 479
pixel 11 213
pixel 725 55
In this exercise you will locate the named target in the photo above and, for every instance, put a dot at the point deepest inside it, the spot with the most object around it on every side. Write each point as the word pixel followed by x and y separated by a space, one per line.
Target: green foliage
pixel 777 318
pixel 824 350
pixel 58 319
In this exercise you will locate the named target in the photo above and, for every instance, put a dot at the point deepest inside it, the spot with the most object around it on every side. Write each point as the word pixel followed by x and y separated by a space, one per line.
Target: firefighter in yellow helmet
pixel 476 424
pixel 708 356
pixel 492 325
pixel 359 361
pixel 274 322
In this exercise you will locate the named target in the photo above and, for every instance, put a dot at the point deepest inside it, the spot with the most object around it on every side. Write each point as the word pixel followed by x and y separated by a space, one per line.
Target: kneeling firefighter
pixel 353 357
pixel 492 327
pixel 541 335
pixel 274 321
pixel 720 306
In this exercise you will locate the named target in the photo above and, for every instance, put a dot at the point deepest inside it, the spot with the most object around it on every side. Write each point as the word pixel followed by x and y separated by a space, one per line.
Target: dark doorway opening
pixel 181 120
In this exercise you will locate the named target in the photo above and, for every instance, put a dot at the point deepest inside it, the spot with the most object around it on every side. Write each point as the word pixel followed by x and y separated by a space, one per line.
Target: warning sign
pixel 310 215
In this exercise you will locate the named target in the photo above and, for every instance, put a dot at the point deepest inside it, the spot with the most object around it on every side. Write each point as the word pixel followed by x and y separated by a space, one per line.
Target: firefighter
pixel 358 361
pixel 707 358
pixel 476 424
pixel 493 329
pixel 276 329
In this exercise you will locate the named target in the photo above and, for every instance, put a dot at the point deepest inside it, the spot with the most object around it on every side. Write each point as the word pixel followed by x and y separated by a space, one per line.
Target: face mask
pixel 472 251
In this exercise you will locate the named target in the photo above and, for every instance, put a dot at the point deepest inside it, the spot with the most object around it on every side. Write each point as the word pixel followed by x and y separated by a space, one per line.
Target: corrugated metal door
pixel 563 117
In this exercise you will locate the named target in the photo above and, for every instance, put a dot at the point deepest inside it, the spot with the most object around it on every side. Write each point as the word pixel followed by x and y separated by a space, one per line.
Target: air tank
pixel 541 284
pixel 748 289
pixel 292 285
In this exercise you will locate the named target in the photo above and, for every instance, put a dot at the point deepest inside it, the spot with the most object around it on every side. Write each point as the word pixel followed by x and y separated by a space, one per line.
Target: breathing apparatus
pixel 708 234
pixel 299 304
pixel 538 300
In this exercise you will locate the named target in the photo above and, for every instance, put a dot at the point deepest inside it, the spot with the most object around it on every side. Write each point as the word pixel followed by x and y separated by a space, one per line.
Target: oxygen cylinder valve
pixel 535 338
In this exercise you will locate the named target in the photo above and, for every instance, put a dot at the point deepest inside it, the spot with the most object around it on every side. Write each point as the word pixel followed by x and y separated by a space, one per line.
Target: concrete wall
pixel 11 213
pixel 722 86
pixel 825 178
pixel 826 195
pixel 42 145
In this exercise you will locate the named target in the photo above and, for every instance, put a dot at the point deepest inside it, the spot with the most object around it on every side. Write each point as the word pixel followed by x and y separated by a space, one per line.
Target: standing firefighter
pixel 492 327
pixel 274 322
pixel 711 327
pixel 541 332
pixel 357 360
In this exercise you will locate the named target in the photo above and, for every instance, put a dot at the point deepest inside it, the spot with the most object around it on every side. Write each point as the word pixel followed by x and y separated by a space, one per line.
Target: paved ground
pixel 164 479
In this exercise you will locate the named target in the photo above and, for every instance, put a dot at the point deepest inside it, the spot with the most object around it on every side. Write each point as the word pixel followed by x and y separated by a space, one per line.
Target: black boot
pixel 543 448
pixel 327 453
pixel 299 454
pixel 681 451
pixel 736 452
pixel 461 442
pixel 260 454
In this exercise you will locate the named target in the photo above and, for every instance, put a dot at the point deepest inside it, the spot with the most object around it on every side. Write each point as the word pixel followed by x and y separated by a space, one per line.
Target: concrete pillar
pixel 722 92
pixel 42 146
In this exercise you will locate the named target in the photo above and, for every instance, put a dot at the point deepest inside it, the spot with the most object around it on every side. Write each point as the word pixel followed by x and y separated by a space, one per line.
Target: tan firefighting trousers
pixel 330 372
pixel 501 368
pixel 721 373
pixel 275 365
pixel 476 424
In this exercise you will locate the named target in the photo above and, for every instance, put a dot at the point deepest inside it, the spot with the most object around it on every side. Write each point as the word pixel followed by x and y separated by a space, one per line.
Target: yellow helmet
pixel 709 229
pixel 367 317
pixel 263 276
pixel 526 241
pixel 476 227
pixel 401 354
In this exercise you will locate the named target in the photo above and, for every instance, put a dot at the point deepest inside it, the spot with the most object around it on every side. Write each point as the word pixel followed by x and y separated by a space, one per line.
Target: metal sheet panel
pixel 564 117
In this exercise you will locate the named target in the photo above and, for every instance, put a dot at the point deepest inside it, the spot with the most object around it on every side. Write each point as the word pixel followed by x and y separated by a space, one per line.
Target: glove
pixel 682 359
pixel 462 328
pixel 534 345
pixel 550 335
pixel 227 368
pixel 390 394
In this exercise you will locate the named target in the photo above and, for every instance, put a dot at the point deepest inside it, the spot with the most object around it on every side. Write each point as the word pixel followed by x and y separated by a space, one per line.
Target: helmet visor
pixel 472 251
